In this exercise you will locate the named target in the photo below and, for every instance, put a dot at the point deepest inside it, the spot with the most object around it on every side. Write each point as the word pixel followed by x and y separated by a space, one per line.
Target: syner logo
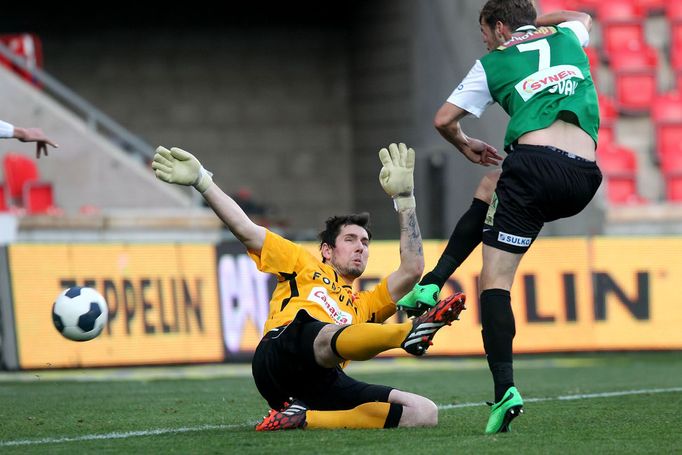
pixel 549 77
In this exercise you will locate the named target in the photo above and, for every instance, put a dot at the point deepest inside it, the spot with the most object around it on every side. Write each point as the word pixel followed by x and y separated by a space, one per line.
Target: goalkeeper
pixel 316 322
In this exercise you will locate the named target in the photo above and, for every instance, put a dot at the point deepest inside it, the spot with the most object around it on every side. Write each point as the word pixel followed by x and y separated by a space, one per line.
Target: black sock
pixel 498 332
pixel 464 239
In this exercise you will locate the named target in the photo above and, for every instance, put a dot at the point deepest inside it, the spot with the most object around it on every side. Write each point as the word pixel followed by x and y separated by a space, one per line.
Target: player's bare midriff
pixel 565 136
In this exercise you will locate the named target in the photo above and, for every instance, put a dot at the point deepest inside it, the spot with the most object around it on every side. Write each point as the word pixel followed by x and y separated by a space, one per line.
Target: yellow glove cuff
pixel 203 181
pixel 404 202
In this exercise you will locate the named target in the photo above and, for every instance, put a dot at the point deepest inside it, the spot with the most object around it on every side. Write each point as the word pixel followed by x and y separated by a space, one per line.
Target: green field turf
pixel 212 409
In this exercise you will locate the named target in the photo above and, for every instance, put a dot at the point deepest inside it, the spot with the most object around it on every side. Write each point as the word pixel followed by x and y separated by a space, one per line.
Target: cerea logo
pixel 557 78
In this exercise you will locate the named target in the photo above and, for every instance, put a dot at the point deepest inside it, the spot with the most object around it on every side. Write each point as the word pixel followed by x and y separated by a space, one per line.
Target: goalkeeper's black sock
pixel 498 333
pixel 464 239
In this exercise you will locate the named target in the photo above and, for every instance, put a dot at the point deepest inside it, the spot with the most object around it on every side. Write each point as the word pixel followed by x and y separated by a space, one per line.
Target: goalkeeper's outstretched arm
pixel 397 179
pixel 182 168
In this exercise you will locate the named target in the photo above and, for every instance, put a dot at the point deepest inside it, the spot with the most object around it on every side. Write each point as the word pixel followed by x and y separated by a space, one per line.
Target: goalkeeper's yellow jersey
pixel 304 282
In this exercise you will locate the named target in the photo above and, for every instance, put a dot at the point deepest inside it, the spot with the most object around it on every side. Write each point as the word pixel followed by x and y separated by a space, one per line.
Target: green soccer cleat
pixel 419 299
pixel 504 411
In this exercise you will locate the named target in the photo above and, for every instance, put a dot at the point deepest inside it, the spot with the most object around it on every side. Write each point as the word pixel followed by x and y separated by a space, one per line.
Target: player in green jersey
pixel 537 71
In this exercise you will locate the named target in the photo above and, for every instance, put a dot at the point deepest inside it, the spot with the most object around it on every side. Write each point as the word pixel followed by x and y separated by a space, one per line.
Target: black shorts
pixel 284 367
pixel 538 184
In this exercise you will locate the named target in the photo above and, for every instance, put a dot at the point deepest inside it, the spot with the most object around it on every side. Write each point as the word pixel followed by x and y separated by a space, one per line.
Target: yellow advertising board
pixel 162 300
pixel 570 294
pixel 184 303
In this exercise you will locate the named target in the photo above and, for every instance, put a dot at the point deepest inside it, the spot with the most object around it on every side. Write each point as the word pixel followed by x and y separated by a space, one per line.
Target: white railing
pixel 95 119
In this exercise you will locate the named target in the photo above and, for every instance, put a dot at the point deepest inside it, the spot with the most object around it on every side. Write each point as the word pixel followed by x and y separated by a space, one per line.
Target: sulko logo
pixel 513 239
pixel 549 77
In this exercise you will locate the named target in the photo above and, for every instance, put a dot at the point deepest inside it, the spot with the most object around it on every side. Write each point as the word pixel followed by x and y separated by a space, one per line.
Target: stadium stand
pixel 634 72
pixel 671 166
pixel 666 115
pixel 28 46
pixel 619 166
pixel 638 50
pixel 609 116
pixel 25 189
pixel 18 171
pixel 673 11
pixel 3 198
pixel 622 24
pixel 593 57
pixel 38 198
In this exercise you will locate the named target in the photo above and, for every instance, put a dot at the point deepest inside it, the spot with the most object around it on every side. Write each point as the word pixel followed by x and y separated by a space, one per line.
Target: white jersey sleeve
pixel 6 129
pixel 579 30
pixel 472 94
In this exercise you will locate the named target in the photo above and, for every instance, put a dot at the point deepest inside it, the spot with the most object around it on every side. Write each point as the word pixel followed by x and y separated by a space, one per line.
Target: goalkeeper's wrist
pixel 404 202
pixel 203 181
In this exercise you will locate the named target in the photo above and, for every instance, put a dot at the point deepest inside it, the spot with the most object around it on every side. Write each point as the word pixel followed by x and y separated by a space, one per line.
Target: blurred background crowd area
pixel 288 105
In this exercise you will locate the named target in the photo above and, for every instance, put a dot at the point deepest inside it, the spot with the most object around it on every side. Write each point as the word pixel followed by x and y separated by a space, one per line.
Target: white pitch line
pixel 444 407
pixel 583 396
pixel 118 435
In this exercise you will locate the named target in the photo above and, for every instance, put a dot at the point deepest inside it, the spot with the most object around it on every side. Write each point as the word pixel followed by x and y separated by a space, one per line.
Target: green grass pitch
pixel 596 403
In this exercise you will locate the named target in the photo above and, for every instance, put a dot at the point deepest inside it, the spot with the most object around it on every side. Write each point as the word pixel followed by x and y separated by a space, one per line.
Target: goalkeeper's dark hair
pixel 334 224
pixel 512 13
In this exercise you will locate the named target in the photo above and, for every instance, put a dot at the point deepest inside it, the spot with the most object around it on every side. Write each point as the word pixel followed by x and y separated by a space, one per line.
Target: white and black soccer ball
pixel 80 313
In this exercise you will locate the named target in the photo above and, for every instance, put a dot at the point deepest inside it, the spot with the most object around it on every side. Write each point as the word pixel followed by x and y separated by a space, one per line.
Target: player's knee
pixel 322 346
pixel 427 413
pixel 487 186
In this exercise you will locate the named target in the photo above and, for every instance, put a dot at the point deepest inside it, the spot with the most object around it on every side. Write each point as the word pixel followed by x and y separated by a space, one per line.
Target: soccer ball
pixel 80 314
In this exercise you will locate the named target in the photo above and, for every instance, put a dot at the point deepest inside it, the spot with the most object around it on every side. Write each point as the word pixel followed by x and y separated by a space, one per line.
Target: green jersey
pixel 537 77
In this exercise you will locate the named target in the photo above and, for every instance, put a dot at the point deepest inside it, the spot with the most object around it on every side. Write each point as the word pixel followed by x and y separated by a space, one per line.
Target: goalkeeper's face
pixel 349 255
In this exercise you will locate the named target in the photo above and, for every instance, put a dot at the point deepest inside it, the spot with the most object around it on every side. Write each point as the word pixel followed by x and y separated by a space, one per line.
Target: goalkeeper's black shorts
pixel 284 367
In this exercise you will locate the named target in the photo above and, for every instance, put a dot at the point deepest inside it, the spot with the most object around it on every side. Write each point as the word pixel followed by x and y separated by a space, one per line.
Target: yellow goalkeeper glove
pixel 180 167
pixel 397 175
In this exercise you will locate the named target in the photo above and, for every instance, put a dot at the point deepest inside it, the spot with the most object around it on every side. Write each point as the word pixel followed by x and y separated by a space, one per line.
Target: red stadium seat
pixel 671 166
pixel 635 84
pixel 649 7
pixel 547 6
pixel 673 11
pixel 667 106
pixel 38 198
pixel 606 135
pixel 611 10
pixel 18 171
pixel 608 114
pixel 589 6
pixel 676 44
pixel 3 198
pixel 607 109
pixel 24 188
pixel 619 166
pixel 29 47
pixel 622 23
pixel 668 135
pixel 678 79
pixel 593 58
pixel 666 114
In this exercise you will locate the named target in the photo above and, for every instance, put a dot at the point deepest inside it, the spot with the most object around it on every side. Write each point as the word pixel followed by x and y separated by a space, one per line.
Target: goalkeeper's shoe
pixel 504 411
pixel 291 417
pixel 419 299
pixel 424 327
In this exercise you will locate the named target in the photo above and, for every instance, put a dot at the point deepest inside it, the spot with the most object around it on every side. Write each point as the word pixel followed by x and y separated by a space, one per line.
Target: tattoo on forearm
pixel 410 227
